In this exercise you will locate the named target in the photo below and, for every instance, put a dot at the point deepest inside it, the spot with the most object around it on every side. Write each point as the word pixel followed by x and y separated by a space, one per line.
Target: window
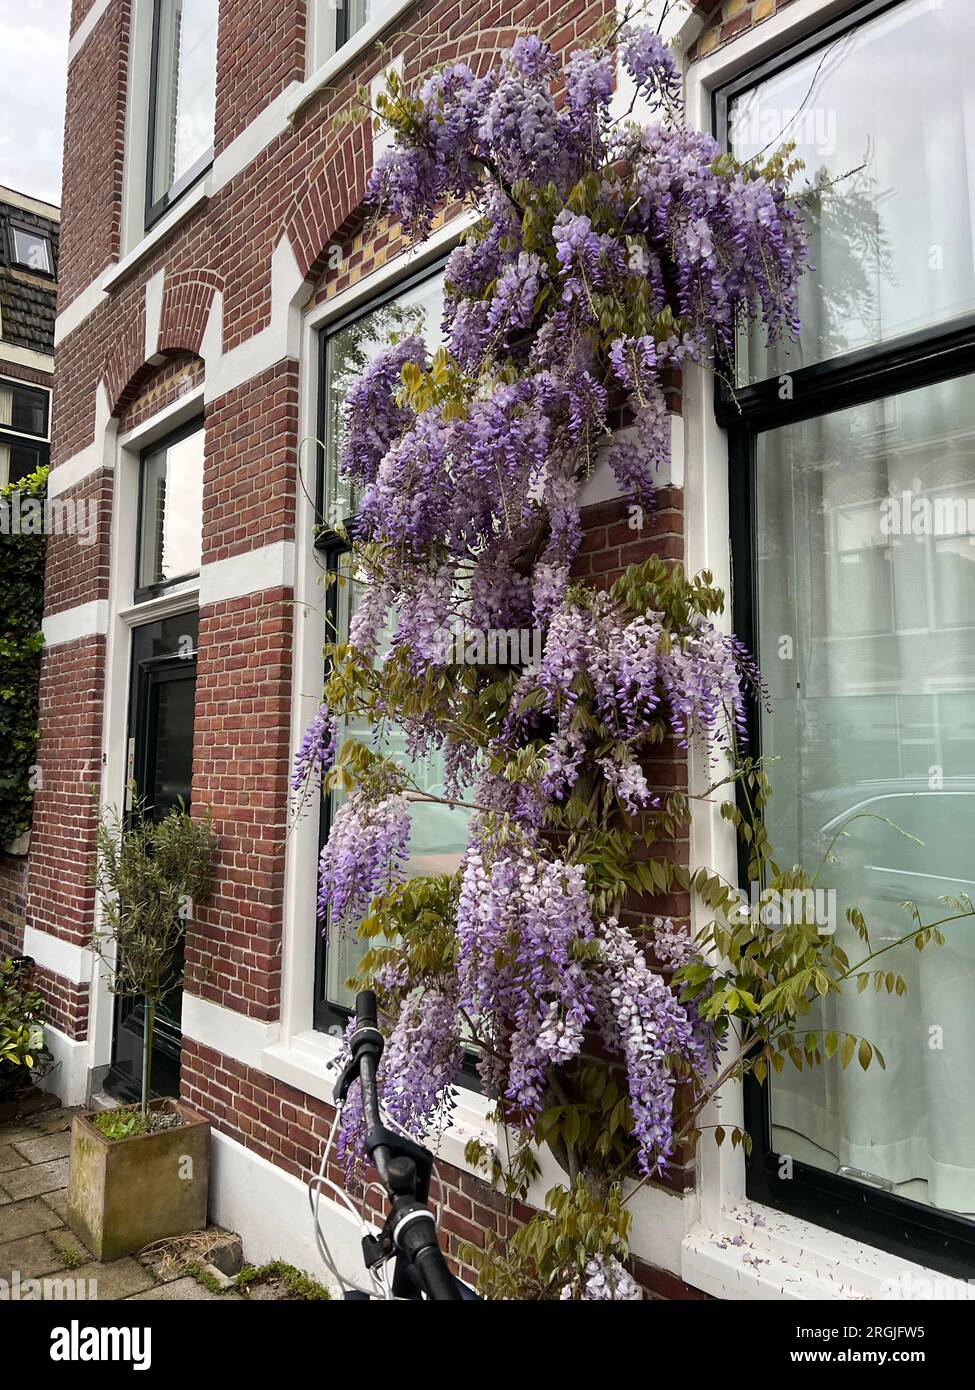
pixel 853 499
pixel 170 512
pixel 24 429
pixel 353 15
pixel 32 249
pixel 439 834
pixel 182 99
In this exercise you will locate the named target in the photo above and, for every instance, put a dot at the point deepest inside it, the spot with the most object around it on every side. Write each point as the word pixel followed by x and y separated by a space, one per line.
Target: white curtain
pixel 874 711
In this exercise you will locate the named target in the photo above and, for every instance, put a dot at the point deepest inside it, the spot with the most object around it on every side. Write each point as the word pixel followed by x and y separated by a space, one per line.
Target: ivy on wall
pixel 23 544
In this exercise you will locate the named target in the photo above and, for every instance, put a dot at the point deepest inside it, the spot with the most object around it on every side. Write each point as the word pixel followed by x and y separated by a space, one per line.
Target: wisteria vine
pixel 608 253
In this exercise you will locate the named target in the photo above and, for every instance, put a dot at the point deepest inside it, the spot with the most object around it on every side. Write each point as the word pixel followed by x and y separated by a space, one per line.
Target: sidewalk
pixel 36 1243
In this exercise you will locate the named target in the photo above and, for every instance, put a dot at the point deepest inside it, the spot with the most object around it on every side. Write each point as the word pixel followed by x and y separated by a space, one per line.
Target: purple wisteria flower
pixel 318 748
pixel 365 854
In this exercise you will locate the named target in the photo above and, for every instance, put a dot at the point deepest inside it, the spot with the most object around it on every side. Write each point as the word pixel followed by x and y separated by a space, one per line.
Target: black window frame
pixel 157 208
pixel 21 439
pixel 328 1016
pixel 142 593
pixel 42 234
pixel 940 1240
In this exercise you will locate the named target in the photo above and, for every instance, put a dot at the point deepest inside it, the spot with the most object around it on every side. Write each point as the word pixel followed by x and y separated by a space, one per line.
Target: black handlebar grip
pixel 366 1015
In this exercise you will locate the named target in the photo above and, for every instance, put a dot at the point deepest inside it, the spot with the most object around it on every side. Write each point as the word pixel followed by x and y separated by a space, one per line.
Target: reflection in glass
pixel 172 511
pixel 185 85
pixel 866 563
pixel 348 352
pixel 893 240
pixel 438 835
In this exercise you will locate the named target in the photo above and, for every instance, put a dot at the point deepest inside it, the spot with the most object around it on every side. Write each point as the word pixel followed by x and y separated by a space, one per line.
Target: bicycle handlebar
pixel 403 1167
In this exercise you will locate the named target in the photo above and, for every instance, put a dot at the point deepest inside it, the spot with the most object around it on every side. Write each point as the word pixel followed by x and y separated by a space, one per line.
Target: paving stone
pixel 68 1245
pixel 120 1279
pixel 10 1158
pixel 36 1179
pixel 184 1290
pixel 16 1134
pixel 54 1121
pixel 31 1255
pixel 44 1148
pixel 58 1202
pixel 26 1219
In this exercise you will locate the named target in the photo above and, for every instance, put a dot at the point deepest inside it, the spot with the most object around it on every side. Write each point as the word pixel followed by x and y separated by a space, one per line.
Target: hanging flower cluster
pixel 607 254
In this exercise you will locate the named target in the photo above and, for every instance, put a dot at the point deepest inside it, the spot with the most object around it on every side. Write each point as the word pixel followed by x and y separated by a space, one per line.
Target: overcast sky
pixel 33 75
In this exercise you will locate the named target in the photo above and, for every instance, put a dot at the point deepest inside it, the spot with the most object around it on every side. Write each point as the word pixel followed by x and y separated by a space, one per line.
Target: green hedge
pixel 21 605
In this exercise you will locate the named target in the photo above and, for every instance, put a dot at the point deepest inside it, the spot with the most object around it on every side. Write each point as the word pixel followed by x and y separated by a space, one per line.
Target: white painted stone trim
pixel 226 371
pixel 26 357
pixel 68 1078
pixel 64 958
pixel 191 200
pixel 782 1257
pixel 85 29
pixel 225 1030
pixel 155 286
pixel 267 567
pixel 77 311
pixel 17 199
pixel 98 454
pixel 70 625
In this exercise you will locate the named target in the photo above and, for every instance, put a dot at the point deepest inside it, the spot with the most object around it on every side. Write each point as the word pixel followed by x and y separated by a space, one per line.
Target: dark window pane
pixel 23 409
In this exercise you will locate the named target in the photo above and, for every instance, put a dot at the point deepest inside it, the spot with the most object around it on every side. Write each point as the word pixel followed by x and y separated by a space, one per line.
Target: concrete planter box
pixel 125 1193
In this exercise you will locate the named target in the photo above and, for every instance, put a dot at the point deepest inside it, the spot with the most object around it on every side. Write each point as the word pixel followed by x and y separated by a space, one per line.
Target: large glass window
pixel 24 429
pixel 170 511
pixel 438 834
pixel 182 101
pixel 854 506
pixel 893 237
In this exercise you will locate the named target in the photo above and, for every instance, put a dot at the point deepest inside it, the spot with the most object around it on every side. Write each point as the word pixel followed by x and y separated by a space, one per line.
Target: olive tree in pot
pixel 140 1173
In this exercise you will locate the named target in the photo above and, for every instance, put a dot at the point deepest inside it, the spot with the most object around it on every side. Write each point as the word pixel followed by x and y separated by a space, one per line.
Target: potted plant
pixel 140 1173
pixel 24 1059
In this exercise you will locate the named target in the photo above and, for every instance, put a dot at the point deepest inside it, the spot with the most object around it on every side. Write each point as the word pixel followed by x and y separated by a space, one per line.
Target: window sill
pixel 194 198
pixel 767 1254
pixel 307 1062
pixel 334 66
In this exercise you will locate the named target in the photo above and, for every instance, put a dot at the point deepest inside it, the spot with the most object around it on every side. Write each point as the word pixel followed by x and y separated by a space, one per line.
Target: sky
pixel 33 77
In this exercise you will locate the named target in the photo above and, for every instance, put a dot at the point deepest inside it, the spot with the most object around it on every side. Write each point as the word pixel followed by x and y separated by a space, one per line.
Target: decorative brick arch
pixel 187 299
pixel 329 209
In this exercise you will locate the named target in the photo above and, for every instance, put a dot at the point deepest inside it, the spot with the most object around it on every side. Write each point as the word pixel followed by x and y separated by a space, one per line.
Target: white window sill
pixel 782 1257
pixel 193 199
pixel 334 66
pixel 307 1062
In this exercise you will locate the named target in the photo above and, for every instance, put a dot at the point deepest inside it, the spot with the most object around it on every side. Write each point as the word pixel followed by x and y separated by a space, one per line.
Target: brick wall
pixel 726 19
pixel 13 893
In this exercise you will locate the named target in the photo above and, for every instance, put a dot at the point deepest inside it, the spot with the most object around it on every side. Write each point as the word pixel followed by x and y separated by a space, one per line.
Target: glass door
pixel 160 758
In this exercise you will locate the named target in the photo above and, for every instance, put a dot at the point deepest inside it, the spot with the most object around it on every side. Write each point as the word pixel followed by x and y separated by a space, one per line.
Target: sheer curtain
pixel 874 712
pixel 6 418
